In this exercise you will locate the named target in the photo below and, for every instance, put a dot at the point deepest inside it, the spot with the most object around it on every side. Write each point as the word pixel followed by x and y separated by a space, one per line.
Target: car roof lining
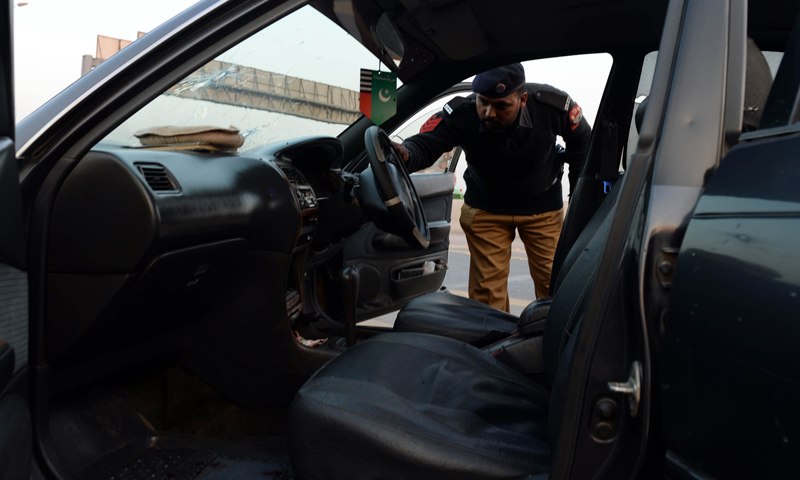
pixel 481 35
pixel 492 35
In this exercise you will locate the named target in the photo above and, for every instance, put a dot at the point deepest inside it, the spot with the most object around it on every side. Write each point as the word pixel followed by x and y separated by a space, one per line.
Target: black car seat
pixel 414 405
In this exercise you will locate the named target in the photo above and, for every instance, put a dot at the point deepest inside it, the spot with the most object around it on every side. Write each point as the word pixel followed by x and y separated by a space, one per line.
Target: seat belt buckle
pixel 606 183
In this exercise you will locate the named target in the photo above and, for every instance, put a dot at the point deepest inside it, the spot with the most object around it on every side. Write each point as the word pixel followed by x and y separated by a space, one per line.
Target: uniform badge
pixel 575 116
pixel 500 88
pixel 432 122
pixel 455 104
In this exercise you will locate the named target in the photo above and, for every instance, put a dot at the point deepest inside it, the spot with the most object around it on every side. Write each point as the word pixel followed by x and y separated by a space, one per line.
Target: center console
pixel 307 205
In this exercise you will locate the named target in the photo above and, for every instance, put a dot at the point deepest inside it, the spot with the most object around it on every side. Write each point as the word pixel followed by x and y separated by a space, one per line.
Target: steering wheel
pixel 396 191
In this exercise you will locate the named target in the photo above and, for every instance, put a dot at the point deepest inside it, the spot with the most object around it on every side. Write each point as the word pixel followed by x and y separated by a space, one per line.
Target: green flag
pixel 378 99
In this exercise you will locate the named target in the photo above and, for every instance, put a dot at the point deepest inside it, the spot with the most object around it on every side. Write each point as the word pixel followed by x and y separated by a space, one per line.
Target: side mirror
pixel 389 40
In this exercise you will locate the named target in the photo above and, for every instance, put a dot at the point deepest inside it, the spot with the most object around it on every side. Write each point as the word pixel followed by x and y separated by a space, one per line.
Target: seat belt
pixel 609 156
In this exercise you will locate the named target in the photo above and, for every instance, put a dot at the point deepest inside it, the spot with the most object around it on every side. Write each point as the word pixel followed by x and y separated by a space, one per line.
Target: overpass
pixel 233 84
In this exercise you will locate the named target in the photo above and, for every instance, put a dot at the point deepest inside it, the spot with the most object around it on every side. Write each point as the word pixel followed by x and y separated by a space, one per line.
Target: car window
pixel 583 77
pixel 413 126
pixel 772 58
pixel 300 76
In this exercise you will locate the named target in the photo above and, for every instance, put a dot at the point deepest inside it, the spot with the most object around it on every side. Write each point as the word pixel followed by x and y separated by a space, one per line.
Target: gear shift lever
pixel 350 281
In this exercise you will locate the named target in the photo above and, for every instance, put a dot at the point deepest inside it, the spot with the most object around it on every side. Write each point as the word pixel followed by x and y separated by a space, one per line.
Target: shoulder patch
pixel 554 98
pixel 575 116
pixel 455 104
pixel 431 123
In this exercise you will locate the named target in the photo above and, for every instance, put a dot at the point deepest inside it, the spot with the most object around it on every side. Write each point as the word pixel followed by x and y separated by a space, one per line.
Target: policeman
pixel 507 129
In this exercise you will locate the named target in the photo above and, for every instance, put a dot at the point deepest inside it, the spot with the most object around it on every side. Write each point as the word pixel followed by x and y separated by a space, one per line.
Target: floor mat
pixel 236 469
pixel 195 459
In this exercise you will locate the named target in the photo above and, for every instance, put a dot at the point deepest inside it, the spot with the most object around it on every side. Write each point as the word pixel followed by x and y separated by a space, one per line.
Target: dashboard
pixel 153 234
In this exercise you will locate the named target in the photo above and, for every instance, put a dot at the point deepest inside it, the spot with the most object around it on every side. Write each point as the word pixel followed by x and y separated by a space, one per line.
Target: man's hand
pixel 403 151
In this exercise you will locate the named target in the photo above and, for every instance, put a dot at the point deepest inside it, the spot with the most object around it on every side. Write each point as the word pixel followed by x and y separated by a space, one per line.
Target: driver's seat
pixel 411 405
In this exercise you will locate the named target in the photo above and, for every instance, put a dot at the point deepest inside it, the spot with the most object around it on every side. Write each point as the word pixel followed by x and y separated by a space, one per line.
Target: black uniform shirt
pixel 514 172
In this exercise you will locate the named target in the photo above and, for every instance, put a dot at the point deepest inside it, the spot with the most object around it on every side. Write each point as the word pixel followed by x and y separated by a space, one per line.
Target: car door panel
pixel 16 432
pixel 729 356
pixel 436 192
pixel 391 271
pixel 15 438
pixel 12 246
pixel 728 339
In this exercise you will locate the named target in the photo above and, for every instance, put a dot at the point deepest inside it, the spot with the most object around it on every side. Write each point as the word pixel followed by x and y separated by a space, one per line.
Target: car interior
pixel 196 312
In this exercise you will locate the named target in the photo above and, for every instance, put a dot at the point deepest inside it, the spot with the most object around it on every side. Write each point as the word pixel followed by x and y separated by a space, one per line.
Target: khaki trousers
pixel 489 236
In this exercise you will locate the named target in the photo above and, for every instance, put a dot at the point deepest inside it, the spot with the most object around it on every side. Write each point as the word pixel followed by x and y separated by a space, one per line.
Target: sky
pixel 51 37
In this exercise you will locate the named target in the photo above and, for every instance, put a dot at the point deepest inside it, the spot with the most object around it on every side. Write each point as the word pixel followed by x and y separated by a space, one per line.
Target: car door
pixel 392 272
pixel 15 418
pixel 730 340
pixel 612 415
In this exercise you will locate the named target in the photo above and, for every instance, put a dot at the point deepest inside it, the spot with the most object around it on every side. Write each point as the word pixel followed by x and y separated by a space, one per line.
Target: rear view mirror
pixel 389 40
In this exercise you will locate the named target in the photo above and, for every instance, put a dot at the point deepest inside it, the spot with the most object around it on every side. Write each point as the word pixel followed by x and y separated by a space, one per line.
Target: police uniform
pixel 512 177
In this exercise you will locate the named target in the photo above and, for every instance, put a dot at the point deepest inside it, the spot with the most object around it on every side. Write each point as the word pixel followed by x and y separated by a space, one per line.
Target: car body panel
pixel 15 419
pixel 730 350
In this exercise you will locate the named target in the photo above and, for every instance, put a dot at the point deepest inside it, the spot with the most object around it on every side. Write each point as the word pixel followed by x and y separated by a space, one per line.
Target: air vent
pixel 294 176
pixel 157 177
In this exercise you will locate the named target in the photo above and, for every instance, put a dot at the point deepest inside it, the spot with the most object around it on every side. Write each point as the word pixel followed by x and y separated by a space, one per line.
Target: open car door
pixel 391 271
pixel 732 318
pixel 15 418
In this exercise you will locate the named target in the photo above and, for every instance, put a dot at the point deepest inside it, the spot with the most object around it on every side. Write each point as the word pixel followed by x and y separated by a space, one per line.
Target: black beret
pixel 500 81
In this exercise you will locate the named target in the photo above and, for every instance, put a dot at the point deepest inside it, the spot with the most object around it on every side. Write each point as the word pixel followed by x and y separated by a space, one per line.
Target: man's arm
pixel 576 133
pixel 437 136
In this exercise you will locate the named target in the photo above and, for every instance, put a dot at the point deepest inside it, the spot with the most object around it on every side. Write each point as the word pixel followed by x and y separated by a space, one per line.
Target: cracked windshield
pixel 298 77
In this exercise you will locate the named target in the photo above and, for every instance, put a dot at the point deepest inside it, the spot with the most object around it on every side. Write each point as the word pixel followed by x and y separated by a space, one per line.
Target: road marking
pixel 513 301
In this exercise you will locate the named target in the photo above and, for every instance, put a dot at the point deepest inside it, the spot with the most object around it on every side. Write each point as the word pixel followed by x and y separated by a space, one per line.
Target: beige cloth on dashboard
pixel 229 138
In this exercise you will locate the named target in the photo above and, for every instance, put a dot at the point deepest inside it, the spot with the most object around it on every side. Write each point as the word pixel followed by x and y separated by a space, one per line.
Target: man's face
pixel 500 113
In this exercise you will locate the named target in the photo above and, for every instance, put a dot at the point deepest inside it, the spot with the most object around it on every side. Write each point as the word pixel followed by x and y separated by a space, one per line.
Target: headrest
pixel 758 81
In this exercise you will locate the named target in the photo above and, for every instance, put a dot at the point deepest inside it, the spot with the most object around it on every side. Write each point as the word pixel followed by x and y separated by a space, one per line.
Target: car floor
pixel 166 425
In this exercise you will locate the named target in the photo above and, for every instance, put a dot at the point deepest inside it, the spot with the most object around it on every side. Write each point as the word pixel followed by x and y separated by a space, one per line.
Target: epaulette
pixel 551 96
pixel 456 103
